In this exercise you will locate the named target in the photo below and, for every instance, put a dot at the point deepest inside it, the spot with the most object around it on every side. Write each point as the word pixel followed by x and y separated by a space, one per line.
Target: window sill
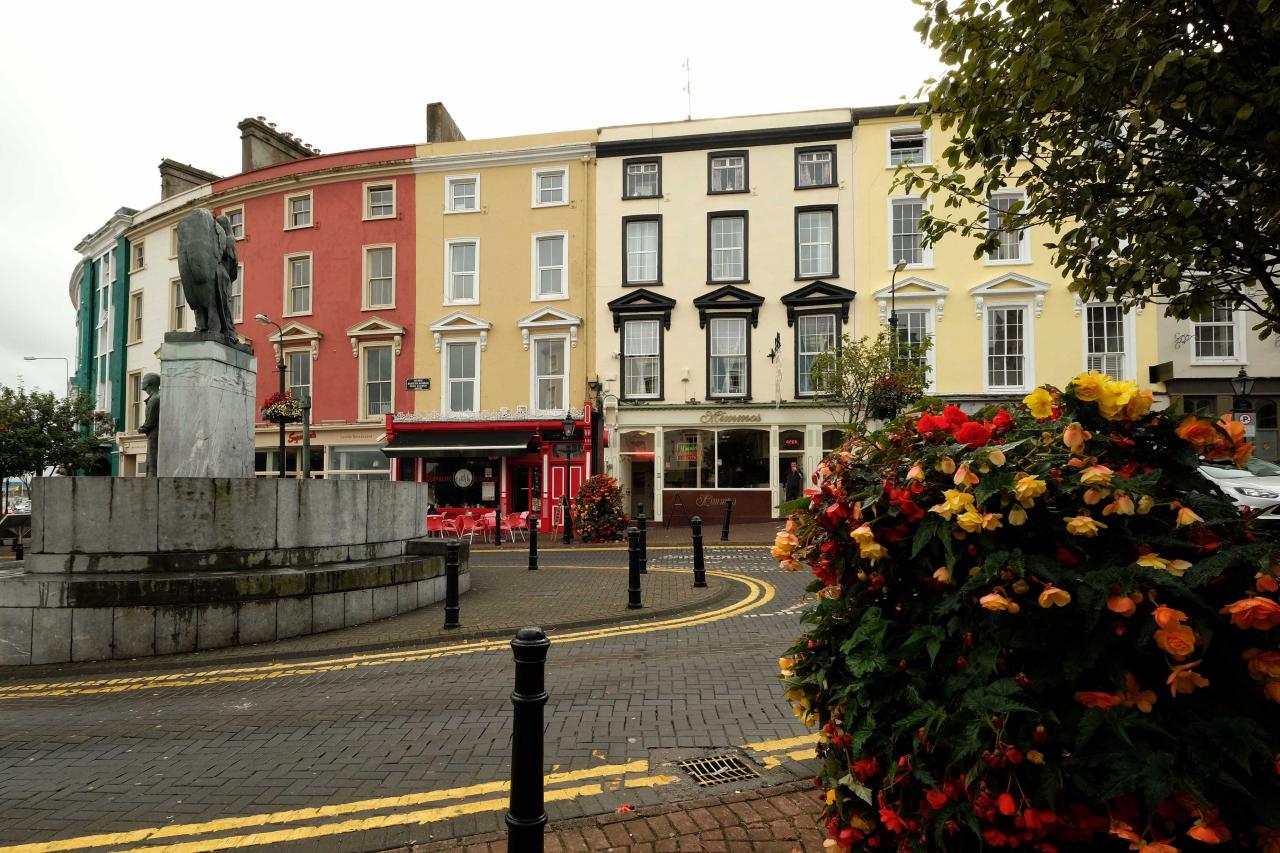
pixel 716 282
pixel 642 284
pixel 924 266
pixel 379 218
pixel 641 399
pixel 133 270
pixel 743 399
pixel 551 204
pixel 563 297
pixel 297 314
pixel 728 192
pixel 377 307
pixel 894 166
pixel 456 212
pixel 817 277
pixel 1021 389
pixel 816 187
pixel 454 302
pixel 641 197
pixel 1015 262
pixel 299 227
pixel 1218 362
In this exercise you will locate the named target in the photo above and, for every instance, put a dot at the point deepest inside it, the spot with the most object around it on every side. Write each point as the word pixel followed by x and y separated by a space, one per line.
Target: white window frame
pixel 626 253
pixel 237 293
pixel 135 410
pixel 925 153
pixel 311 211
pixel 1238 341
pixel 239 208
pixel 831 166
pixel 624 355
pixel 367 191
pixel 534 293
pixel 366 302
pixel 175 291
pixel 1129 369
pixel 137 255
pixel 926 252
pixel 832 246
pixel 834 316
pixel 745 356
pixel 311 286
pixel 136 307
pixel 1028 348
pixel 533 373
pixel 444 373
pixel 448 272
pixel 712 250
pixel 365 346
pixel 657 177
pixel 741 168
pixel 930 328
pixel 288 369
pixel 448 193
pixel 564 188
pixel 1024 239
pixel 173 242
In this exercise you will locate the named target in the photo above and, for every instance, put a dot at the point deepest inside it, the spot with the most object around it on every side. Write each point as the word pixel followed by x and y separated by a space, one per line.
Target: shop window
pixel 1203 406
pixel 689 458
pixel 266 464
pixel 638 443
pixel 470 482
pixel 791 440
pixel 742 459
pixel 832 439
pixel 1267 415
pixel 358 463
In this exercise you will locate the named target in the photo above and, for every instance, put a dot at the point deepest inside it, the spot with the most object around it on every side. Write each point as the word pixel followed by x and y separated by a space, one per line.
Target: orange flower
pixel 942 575
pixel 1096 475
pixel 964 477
pixel 1272 690
pixel 1209 828
pixel 1097 699
pixel 1145 503
pixel 1187 516
pixel 1166 616
pixel 946 465
pixel 916 473
pixel 1254 612
pixel 1122 505
pixel 1052 596
pixel 1262 665
pixel 1183 679
pixel 1095 496
pixel 790 565
pixel 1139 405
pixel 1197 431
pixel 1265 583
pixel 1178 640
pixel 1074 437
pixel 1121 604
pixel 996 601
pixel 1136 697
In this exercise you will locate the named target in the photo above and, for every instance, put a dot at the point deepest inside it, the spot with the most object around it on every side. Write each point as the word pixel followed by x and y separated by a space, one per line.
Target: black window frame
pixel 746 170
pixel 745 316
pixel 628 162
pixel 835 178
pixel 834 313
pixel 835 240
pixel 663 322
pixel 746 245
pixel 627 220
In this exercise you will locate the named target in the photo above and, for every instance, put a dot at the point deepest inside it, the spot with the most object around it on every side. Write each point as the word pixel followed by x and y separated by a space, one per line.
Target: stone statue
pixel 150 426
pixel 207 265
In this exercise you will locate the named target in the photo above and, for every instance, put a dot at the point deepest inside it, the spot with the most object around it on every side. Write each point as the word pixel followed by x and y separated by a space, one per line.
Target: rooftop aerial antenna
pixel 688 90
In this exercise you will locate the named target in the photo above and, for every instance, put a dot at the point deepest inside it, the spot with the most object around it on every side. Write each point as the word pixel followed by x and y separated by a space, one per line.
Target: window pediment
pixel 374 328
pixel 914 289
pixel 818 294
pixel 296 333
pixel 729 297
pixel 1009 284
pixel 642 301
pixel 461 322
pixel 549 318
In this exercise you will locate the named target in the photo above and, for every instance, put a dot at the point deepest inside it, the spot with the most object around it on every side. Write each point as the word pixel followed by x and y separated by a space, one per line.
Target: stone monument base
pixel 207 407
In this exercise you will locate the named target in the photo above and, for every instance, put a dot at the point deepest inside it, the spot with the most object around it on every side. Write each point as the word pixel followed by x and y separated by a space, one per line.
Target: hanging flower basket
pixel 282 409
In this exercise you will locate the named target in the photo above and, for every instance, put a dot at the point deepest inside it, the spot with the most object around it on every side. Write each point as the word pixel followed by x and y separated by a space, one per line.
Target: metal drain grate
pixel 718 769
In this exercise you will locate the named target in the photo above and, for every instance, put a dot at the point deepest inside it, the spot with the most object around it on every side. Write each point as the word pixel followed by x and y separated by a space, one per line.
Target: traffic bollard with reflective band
pixel 497 524
pixel 633 569
pixel 566 518
pixel 526 816
pixel 699 565
pixel 451 585
pixel 642 525
pixel 533 542
pixel 728 514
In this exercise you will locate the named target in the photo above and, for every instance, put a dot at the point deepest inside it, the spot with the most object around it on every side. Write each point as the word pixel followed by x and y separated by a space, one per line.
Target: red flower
pixel 1003 422
pixel 866 768
pixel 892 821
pixel 930 426
pixel 954 416
pixel 973 434
pixel 937 799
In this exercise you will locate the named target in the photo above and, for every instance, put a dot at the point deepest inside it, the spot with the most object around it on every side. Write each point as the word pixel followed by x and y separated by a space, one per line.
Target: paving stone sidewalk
pixel 504 597
pixel 659 535
pixel 780 819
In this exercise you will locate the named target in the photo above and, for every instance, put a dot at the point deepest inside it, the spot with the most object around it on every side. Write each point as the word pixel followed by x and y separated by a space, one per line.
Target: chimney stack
pixel 262 145
pixel 178 177
pixel 440 126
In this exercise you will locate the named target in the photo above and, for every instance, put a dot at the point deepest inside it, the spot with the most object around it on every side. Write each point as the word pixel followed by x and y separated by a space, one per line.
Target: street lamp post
pixel 1242 386
pixel 893 308
pixel 66 363
pixel 267 321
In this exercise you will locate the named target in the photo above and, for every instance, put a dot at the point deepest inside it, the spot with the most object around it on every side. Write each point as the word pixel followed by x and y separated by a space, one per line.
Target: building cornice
pixel 99 241
pixel 504 157
pixel 725 139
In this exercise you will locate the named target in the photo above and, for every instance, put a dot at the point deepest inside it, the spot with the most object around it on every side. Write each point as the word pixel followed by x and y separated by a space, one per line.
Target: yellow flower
pixel 946 465
pixel 790 565
pixel 1089 386
pixel 1152 561
pixel 1040 402
pixel 1083 525
pixel 956 502
pixel 1145 504
pixel 1017 516
pixel 1115 398
pixel 996 457
pixel 1138 406
pixel 1177 568
pixel 1020 586
pixel 970 521
pixel 1096 475
pixel 873 551
pixel 995 601
pixel 1187 516
pixel 916 473
pixel 787 666
pixel 1074 437
pixel 1122 505
pixel 1028 488
pixel 1035 756
pixel 1054 597
pixel 1182 679
pixel 831 796
pixel 862 534
pixel 942 574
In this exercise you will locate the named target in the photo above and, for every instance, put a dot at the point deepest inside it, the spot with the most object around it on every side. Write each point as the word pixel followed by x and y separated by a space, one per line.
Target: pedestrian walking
pixel 795 481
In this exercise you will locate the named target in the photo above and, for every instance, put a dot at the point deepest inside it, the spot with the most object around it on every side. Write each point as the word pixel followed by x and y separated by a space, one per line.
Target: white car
pixel 1257 485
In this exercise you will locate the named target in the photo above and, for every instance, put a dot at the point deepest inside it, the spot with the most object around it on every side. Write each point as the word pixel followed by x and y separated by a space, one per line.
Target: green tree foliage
pixel 1146 136
pixel 38 430
pixel 869 379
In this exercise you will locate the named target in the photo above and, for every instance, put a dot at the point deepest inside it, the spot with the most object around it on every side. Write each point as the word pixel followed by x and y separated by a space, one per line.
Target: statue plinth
pixel 208 388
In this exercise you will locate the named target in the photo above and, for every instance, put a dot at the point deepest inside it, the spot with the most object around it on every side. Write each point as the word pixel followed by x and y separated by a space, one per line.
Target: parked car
pixel 1257 485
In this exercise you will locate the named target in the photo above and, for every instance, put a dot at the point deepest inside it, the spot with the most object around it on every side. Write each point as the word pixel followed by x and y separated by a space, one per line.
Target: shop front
pixel 685 461
pixel 335 451
pixel 501 460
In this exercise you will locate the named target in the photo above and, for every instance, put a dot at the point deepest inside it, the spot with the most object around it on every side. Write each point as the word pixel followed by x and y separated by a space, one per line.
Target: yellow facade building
pixel 504 294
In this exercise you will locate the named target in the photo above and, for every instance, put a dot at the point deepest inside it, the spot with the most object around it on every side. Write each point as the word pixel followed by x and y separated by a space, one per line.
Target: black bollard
pixel 497 523
pixel 533 542
pixel 641 522
pixel 451 584
pixel 699 564
pixel 526 817
pixel 633 569
pixel 566 518
pixel 18 552
pixel 728 513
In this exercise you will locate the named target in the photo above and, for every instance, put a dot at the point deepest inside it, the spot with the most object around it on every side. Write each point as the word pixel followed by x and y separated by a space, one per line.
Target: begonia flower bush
pixel 1039 628
pixel 597 510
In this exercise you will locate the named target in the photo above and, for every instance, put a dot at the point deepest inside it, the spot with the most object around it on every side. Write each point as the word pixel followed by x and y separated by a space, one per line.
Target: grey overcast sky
pixel 94 94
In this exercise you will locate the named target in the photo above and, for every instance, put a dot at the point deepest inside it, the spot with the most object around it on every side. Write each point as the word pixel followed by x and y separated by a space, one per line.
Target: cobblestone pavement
pixel 372 751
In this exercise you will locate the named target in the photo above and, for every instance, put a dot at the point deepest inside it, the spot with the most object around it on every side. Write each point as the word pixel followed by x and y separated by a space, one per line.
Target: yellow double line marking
pixel 759 593
pixel 276 831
